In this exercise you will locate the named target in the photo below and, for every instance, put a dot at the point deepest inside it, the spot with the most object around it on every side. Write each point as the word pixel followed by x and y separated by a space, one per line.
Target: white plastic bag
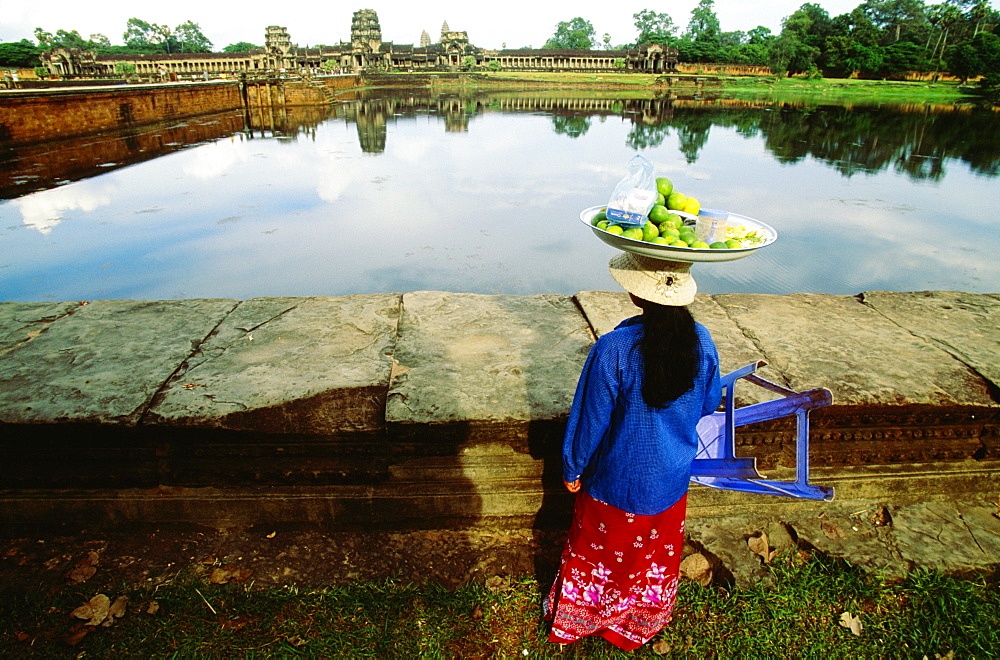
pixel 634 195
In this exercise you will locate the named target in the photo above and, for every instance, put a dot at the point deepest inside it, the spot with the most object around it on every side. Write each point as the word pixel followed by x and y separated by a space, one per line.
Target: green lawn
pixel 769 86
pixel 926 615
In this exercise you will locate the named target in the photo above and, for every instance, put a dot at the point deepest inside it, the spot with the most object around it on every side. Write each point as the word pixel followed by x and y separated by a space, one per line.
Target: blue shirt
pixel 626 453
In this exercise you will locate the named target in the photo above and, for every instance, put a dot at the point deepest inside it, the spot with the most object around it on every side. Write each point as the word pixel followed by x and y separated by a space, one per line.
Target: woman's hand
pixel 572 486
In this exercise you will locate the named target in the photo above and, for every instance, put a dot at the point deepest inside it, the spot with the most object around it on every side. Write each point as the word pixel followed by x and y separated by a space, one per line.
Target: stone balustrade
pixel 437 410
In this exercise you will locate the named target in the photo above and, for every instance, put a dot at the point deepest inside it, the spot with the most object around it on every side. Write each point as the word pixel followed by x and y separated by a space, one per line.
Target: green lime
pixel 660 199
pixel 603 224
pixel 615 229
pixel 659 213
pixel 667 230
pixel 659 240
pixel 598 218
pixel 664 186
pixel 733 244
pixel 719 245
pixel 701 245
pixel 649 231
pixel 679 243
pixel 634 233
pixel 676 200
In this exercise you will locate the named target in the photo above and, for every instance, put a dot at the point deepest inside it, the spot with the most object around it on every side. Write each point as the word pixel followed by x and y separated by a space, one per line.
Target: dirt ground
pixel 52 558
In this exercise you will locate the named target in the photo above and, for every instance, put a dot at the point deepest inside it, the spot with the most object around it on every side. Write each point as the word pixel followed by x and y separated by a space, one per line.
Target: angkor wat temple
pixel 365 52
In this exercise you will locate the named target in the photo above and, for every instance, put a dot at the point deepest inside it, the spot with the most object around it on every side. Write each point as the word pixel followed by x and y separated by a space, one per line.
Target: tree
pixel 239 47
pixel 577 34
pixel 64 39
pixel 943 17
pixel 43 38
pixel 892 16
pixel 704 24
pixel 146 37
pixel 99 42
pixel 18 54
pixel 190 38
pixel 124 69
pixel 653 27
pixel 976 57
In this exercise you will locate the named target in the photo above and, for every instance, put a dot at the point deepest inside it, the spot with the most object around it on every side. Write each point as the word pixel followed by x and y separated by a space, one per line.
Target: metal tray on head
pixel 671 253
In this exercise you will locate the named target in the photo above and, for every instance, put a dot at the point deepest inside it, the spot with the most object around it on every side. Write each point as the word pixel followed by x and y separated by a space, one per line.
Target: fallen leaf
pixel 477 613
pixel 81 574
pixel 84 569
pixel 295 641
pixel 697 567
pixel 831 531
pixel 496 583
pixel 77 633
pixel 116 611
pixel 852 623
pixel 229 573
pixel 22 636
pixel 660 647
pixel 94 611
pixel 271 535
pixel 759 546
pixel 154 607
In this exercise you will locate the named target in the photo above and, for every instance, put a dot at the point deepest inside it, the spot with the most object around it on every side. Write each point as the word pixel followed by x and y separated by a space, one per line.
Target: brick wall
pixel 32 116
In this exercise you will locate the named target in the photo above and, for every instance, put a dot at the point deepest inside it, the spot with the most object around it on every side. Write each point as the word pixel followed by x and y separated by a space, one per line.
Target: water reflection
pixel 29 168
pixel 914 139
pixel 480 191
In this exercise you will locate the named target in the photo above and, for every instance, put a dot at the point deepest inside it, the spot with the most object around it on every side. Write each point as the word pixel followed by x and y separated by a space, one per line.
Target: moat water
pixel 481 192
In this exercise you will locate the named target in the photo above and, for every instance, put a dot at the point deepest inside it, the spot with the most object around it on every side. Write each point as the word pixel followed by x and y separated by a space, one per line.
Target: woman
pixel 629 443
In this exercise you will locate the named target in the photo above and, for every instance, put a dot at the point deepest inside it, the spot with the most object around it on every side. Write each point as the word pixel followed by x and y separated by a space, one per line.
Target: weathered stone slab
pixel 948 538
pixel 474 359
pixel 22 322
pixel 841 344
pixel 289 365
pixel 606 309
pixel 104 363
pixel 964 325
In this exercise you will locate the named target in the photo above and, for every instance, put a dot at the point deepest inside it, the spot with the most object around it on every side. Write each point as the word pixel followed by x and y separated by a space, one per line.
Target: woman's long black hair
pixel 669 348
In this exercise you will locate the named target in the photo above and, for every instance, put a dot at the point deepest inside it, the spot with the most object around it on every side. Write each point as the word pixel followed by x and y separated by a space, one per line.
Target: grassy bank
pixel 800 616
pixel 753 86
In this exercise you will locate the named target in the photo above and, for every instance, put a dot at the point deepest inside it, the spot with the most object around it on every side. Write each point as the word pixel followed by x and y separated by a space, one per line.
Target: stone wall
pixel 37 115
pixel 435 409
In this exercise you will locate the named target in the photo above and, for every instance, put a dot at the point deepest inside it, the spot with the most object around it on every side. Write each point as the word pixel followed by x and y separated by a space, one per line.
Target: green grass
pixel 925 615
pixel 779 89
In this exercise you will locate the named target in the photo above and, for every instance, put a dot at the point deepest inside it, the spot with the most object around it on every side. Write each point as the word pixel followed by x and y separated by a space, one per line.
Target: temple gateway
pixel 365 52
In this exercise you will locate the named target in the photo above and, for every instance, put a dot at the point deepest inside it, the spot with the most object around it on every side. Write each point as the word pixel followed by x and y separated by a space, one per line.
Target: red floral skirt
pixel 618 574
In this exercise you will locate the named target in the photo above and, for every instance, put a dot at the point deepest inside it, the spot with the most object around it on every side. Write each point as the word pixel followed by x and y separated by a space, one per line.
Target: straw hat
pixel 655 280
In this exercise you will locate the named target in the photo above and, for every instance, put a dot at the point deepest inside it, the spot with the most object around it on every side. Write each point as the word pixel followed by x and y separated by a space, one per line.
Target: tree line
pixel 878 38
pixel 139 37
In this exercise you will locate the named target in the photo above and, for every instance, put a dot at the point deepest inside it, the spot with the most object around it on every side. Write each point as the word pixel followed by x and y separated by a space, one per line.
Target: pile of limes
pixel 664 226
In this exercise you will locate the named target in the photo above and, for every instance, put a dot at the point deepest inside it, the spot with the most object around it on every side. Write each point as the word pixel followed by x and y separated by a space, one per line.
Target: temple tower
pixel 425 39
pixel 366 33
pixel 445 29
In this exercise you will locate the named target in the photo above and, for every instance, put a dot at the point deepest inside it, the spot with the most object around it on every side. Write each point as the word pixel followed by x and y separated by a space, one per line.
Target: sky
pixel 514 23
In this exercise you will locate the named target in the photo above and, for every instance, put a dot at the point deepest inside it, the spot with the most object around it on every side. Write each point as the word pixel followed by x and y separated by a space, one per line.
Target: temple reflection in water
pixel 914 138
